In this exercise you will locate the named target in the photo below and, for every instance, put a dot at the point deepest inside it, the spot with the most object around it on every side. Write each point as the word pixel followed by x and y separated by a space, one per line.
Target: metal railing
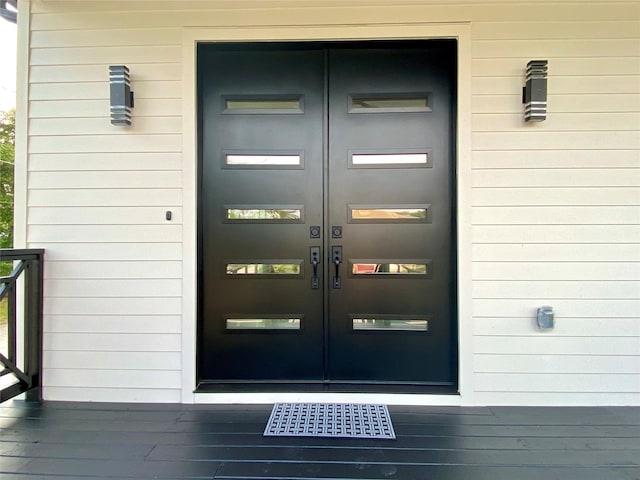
pixel 23 361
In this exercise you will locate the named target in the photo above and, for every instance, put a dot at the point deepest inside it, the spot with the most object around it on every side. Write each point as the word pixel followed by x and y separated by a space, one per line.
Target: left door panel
pixel 261 121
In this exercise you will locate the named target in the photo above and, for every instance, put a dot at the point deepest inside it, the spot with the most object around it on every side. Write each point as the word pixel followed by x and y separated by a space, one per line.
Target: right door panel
pixel 391 190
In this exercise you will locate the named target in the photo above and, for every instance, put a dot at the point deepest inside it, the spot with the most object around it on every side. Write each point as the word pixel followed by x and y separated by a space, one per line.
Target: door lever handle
pixel 336 259
pixel 314 257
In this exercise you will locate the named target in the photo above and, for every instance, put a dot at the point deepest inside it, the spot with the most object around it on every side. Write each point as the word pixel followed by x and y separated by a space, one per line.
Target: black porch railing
pixel 25 278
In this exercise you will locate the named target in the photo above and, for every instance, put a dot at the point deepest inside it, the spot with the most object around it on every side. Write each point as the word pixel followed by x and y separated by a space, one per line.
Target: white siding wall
pixel 555 205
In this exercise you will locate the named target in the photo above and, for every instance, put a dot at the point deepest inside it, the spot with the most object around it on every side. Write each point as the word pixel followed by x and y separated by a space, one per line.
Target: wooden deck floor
pixel 142 441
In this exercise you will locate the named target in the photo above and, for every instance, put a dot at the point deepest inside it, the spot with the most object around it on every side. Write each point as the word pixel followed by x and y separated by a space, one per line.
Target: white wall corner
pixel 21 168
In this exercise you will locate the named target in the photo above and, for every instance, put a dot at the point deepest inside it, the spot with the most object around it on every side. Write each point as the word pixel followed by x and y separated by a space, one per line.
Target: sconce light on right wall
pixel 121 96
pixel 534 93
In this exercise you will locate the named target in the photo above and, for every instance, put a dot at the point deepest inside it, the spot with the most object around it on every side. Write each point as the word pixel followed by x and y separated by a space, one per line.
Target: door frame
pixel 191 36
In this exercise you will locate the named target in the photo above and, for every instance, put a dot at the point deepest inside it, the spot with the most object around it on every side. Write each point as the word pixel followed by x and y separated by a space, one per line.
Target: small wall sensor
pixel 545 317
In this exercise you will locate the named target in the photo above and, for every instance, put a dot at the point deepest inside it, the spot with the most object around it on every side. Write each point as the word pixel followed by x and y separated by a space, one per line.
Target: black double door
pixel 327 233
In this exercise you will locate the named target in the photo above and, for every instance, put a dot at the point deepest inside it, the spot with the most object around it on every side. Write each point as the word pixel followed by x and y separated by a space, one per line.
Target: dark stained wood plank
pixel 68 468
pixel 76 450
pixel 256 471
pixel 348 456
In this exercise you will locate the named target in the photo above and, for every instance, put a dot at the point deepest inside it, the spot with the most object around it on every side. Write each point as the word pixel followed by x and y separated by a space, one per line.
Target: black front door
pixel 327 240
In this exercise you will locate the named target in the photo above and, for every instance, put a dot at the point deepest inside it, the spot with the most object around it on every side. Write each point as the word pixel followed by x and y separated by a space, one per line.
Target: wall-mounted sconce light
pixel 9 10
pixel 534 93
pixel 121 98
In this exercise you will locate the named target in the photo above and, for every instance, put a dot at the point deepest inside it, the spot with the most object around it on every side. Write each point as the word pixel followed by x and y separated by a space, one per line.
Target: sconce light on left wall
pixel 534 93
pixel 9 10
pixel 121 96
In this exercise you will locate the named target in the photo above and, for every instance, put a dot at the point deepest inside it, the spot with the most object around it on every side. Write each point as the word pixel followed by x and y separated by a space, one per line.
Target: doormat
pixel 339 420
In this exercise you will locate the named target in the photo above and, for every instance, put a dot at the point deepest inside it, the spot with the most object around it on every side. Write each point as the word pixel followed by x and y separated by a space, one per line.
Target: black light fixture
pixel 121 96
pixel 534 93
pixel 9 10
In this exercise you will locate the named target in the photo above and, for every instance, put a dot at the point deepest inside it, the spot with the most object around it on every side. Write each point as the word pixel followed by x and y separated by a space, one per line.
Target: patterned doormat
pixel 339 420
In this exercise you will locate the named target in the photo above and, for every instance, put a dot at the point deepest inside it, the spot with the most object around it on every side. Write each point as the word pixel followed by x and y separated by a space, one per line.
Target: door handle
pixel 336 259
pixel 314 258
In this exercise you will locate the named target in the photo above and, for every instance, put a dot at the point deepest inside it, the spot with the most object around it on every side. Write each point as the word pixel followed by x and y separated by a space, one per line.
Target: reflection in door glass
pixel 263 104
pixel 274 214
pixel 372 323
pixel 263 324
pixel 389 269
pixel 388 213
pixel 233 159
pixel 395 103
pixel 263 268
pixel 389 158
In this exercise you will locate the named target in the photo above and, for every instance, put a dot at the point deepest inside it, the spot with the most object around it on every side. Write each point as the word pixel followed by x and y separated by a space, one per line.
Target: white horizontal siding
pixel 109 179
pixel 555 48
pixel 109 288
pixel 554 215
pixel 566 122
pixel 579 308
pixel 101 126
pixel 113 323
pixel 555 206
pixel 141 361
pixel 557 252
pixel 569 327
pixel 531 233
pixel 100 233
pixel 78 91
pixel 557 159
pixel 561 383
pixel 73 251
pixel 103 216
pixel 544 140
pixel 45 162
pixel 118 394
pixel 577 66
pixel 96 378
pixel 144 107
pixel 100 143
pixel 590 103
pixel 109 196
pixel 169 305
pixel 557 398
pixel 112 342
pixel 565 85
pixel 575 177
pixel 554 364
pixel 135 269
pixel 576 289
pixel 54 75
pixel 551 271
pixel 543 345
pixel 525 196
pixel 553 30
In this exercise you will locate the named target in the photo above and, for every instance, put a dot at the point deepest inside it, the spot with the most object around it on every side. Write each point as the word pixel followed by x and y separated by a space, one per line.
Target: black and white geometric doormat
pixel 338 420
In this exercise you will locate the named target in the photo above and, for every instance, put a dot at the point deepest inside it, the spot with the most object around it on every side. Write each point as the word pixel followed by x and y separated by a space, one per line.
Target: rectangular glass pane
pixel 389 269
pixel 263 104
pixel 263 268
pixel 268 214
pixel 372 323
pixel 389 159
pixel 389 213
pixel 263 324
pixel 395 103
pixel 232 159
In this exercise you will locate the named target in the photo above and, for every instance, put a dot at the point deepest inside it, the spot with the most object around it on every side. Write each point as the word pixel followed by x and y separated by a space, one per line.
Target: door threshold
pixel 325 387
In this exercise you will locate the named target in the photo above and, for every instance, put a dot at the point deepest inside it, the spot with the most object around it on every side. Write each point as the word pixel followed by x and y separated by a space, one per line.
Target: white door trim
pixel 190 39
